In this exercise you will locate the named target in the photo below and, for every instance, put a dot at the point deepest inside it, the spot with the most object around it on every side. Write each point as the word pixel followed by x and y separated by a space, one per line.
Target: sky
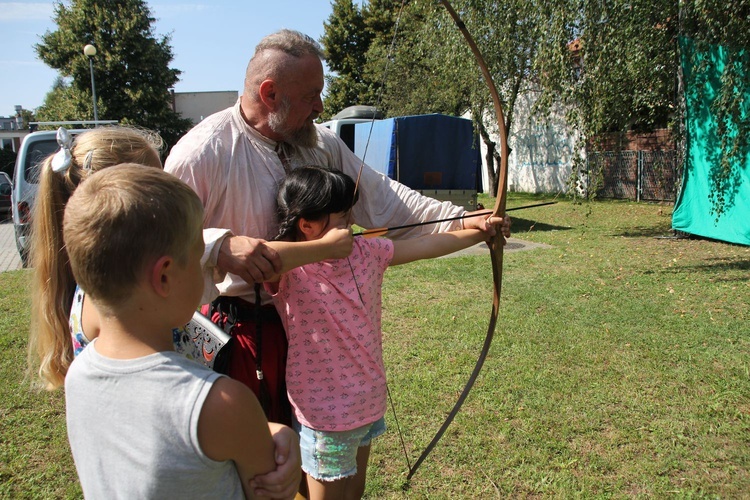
pixel 212 41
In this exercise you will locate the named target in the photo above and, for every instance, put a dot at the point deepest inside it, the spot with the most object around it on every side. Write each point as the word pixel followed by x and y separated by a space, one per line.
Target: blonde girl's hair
pixel 50 347
pixel 122 220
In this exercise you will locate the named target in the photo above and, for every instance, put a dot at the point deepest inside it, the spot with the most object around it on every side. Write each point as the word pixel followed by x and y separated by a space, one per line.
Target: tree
pixel 345 41
pixel 353 38
pixel 65 101
pixel 435 72
pixel 614 65
pixel 131 68
pixel 418 62
pixel 627 73
pixel 27 116
pixel 416 65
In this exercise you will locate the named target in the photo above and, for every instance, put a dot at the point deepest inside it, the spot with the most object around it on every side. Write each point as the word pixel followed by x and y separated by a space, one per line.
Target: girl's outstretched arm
pixel 436 245
pixel 335 244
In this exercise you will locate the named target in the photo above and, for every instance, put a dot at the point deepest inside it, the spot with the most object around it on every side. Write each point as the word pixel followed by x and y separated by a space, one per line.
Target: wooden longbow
pixel 495 244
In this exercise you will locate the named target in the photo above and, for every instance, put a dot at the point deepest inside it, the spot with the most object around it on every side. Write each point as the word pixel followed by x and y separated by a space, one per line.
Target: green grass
pixel 620 369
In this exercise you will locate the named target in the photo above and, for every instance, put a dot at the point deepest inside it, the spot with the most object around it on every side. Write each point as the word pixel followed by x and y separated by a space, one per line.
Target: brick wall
pixel 659 140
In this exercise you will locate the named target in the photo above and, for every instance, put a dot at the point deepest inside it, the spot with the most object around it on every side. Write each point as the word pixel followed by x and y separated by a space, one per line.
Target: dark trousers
pixel 240 321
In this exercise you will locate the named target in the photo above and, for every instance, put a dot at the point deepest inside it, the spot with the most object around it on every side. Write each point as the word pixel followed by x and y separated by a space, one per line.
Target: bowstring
pixel 381 87
pixel 378 102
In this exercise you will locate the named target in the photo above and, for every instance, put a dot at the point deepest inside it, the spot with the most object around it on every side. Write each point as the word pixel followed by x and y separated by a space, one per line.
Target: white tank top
pixel 133 428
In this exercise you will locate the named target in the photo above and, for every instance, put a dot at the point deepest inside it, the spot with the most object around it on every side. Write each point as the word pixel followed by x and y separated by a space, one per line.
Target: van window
pixel 346 132
pixel 36 154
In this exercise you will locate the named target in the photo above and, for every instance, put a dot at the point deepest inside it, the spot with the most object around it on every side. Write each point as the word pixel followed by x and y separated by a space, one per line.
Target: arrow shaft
pixel 370 232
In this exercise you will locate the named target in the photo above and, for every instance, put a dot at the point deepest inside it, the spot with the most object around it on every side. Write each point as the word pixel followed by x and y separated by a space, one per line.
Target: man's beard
pixel 305 136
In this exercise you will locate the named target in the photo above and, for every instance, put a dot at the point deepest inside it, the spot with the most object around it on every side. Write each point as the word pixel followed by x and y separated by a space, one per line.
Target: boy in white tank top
pixel 144 422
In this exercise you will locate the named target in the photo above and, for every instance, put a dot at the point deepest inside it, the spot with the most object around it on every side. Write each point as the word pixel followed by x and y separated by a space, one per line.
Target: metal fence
pixel 634 175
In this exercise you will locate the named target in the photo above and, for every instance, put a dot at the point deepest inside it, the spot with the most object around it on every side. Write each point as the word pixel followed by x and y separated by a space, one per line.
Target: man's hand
pixel 249 258
pixel 488 225
pixel 339 241
pixel 283 482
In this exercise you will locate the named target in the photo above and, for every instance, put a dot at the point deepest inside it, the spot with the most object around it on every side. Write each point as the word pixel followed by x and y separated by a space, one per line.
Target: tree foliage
pixel 614 61
pixel 614 65
pixel 353 39
pixel 346 42
pixel 417 61
pixel 420 74
pixel 626 74
pixel 131 68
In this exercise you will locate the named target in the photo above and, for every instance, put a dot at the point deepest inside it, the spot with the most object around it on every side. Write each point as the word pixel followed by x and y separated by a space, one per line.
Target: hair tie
pixel 63 158
pixel 87 161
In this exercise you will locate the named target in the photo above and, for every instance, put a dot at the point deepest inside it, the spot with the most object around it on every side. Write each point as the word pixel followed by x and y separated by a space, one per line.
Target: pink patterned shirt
pixel 335 374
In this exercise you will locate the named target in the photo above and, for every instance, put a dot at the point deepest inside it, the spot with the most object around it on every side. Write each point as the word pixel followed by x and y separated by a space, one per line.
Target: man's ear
pixel 161 275
pixel 268 94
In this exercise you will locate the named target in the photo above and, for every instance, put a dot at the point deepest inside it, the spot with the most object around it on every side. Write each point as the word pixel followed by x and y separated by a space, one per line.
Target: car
pixel 34 149
pixel 6 187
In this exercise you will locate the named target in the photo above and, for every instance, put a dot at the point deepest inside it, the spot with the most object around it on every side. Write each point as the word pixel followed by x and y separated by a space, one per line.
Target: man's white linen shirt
pixel 236 172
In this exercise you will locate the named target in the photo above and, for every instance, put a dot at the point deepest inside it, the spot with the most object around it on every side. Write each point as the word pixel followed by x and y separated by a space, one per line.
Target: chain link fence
pixel 634 175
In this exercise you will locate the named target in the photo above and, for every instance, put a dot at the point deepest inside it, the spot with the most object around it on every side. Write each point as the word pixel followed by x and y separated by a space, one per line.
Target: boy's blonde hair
pixel 50 347
pixel 120 221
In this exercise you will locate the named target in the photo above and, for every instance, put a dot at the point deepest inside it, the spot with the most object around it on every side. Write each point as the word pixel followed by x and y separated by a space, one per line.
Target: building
pixel 12 131
pixel 195 106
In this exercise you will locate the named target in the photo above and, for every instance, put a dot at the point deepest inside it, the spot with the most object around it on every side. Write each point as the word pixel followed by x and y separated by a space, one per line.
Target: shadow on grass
pixel 519 225
pixel 641 232
pixel 715 266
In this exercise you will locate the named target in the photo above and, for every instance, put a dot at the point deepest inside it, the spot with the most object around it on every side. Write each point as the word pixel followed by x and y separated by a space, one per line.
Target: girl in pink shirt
pixel 331 311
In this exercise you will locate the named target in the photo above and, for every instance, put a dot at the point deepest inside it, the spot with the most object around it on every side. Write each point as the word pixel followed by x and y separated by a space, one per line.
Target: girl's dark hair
pixel 312 193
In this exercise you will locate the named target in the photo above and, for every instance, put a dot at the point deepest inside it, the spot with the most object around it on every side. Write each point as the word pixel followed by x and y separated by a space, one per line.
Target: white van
pixel 342 124
pixel 34 149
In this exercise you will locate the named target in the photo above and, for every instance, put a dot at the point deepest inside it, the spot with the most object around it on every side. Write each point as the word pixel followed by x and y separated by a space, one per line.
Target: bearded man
pixel 236 158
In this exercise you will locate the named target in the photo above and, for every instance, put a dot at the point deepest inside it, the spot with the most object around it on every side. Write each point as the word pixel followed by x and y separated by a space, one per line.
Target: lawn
pixel 620 368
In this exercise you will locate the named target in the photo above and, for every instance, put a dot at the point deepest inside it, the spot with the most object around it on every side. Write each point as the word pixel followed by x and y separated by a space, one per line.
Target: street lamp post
pixel 90 51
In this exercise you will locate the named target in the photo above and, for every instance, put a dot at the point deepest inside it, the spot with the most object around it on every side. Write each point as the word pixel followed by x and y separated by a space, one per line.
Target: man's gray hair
pixel 264 64
pixel 290 42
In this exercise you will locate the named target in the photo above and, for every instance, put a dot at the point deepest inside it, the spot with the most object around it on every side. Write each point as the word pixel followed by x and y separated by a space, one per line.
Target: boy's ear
pixel 161 275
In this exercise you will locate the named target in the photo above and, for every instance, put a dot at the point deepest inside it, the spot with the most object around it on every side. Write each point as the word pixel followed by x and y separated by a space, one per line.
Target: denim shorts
pixel 331 455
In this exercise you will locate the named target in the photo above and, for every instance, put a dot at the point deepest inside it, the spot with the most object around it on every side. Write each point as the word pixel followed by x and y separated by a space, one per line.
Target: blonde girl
pixel 50 343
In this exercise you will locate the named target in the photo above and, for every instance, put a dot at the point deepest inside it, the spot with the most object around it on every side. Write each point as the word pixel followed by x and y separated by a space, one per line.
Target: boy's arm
pixel 434 245
pixel 232 426
pixel 284 481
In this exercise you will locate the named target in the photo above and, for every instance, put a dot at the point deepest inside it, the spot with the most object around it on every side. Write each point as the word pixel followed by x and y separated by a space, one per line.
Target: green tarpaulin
pixel 693 210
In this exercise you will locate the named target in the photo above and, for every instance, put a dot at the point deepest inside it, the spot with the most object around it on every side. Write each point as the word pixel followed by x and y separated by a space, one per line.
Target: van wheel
pixel 23 253
pixel 24 258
